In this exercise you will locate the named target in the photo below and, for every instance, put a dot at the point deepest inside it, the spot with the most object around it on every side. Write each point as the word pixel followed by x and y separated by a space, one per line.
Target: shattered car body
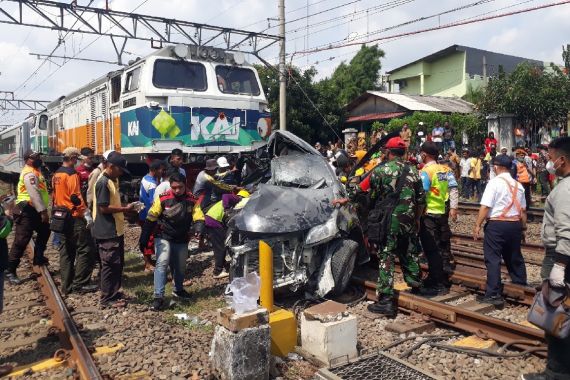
pixel 315 245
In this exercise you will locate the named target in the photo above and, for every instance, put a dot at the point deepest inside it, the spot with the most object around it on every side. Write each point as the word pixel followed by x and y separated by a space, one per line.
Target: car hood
pixel 276 209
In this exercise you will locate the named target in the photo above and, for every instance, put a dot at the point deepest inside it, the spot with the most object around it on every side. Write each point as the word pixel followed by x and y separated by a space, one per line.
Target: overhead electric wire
pixel 400 3
pixel 441 27
pixel 83 49
pixel 314 14
pixel 288 12
pixel 413 21
pixel 60 41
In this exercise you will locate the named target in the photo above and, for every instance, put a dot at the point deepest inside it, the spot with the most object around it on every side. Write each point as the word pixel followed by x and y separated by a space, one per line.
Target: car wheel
pixel 342 264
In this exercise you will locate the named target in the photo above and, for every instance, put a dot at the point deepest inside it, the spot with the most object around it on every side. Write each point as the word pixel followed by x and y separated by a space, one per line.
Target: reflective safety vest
pixel 438 193
pixel 23 195
pixel 522 173
pixel 217 211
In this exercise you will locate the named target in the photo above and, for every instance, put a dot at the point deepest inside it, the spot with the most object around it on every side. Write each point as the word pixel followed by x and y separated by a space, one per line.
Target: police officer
pixel 172 211
pixel 396 178
pixel 440 186
pixel 32 201
pixel 503 207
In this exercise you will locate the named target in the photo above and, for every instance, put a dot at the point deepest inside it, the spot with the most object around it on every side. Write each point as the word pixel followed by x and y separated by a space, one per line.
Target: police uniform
pixel 32 199
pixel 402 233
pixel 503 231
pixel 440 186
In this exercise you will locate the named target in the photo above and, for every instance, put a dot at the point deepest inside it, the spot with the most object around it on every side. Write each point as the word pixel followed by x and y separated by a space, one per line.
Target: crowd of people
pixel 86 217
pixel 411 194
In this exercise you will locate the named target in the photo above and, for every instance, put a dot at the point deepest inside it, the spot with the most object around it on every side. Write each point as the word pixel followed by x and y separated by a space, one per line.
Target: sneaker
pixel 497 301
pixel 157 304
pixel 222 274
pixel 12 278
pixel 182 294
pixel 384 306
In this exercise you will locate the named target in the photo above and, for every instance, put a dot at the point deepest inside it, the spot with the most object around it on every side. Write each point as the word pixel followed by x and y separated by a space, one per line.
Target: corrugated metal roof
pixel 426 103
pixel 375 116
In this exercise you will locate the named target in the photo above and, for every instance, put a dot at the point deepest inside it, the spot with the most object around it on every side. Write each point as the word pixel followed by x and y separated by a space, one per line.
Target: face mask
pixel 520 159
pixel 37 163
pixel 550 166
pixel 420 159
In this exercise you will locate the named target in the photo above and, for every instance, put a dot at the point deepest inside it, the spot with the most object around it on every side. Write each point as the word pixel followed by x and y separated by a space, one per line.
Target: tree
pixel 360 75
pixel 315 110
pixel 533 94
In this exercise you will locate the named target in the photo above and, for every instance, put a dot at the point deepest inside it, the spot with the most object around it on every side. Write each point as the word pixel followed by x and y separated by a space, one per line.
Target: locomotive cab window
pixel 237 80
pixel 115 89
pixel 179 74
pixel 133 79
pixel 42 125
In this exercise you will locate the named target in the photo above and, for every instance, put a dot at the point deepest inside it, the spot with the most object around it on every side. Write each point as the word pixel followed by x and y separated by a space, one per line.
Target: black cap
pixel 211 164
pixel 118 160
pixel 30 153
pixel 342 161
pixel 502 160
pixel 430 148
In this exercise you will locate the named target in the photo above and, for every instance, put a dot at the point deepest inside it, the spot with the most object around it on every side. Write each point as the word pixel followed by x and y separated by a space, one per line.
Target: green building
pixel 451 71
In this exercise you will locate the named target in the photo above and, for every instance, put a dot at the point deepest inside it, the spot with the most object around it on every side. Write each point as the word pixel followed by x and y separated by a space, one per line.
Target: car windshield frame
pixel 225 85
pixel 172 74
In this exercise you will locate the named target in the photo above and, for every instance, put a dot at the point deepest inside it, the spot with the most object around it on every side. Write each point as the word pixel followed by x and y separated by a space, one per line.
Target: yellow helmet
pixel 243 194
pixel 359 172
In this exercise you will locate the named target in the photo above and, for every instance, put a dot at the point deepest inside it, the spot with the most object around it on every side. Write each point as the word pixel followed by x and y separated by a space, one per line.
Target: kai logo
pixel 133 128
pixel 212 128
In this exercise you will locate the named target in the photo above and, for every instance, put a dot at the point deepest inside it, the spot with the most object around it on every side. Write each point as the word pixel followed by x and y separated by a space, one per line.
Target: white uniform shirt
pixel 498 196
pixel 465 165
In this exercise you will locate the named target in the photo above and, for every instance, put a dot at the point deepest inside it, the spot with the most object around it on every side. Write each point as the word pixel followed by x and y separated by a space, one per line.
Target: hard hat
pixel 243 194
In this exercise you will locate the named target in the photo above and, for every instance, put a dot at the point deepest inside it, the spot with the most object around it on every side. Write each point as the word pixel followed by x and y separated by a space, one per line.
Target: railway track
pixel 468 316
pixel 472 208
pixel 72 351
pixel 471 316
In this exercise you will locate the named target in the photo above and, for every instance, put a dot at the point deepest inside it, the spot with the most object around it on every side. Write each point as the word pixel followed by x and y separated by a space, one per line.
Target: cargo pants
pixel 25 224
pixel 76 256
pixel 405 247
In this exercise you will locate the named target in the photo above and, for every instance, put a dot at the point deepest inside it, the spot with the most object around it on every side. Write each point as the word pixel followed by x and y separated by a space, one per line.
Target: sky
pixel 537 35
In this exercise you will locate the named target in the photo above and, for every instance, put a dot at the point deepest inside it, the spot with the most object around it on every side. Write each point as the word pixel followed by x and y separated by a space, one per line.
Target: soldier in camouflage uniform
pixel 402 234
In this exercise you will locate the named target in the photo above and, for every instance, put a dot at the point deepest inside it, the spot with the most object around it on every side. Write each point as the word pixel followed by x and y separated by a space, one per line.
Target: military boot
pixel 385 306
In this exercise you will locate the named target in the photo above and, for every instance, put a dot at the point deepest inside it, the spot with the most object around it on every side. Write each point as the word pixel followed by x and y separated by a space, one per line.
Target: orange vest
pixel 522 173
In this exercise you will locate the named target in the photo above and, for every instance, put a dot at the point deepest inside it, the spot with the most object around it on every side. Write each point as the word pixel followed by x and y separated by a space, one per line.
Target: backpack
pixel 380 217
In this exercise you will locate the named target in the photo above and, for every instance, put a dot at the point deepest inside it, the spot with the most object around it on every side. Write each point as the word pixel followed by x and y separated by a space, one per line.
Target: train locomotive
pixel 202 100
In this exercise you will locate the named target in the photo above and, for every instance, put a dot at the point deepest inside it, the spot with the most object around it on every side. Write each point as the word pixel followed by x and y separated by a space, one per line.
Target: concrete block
pixel 327 311
pixel 330 340
pixel 243 355
pixel 236 322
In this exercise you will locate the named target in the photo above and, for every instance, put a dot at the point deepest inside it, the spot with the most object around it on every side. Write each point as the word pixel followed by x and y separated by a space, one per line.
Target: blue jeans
pixel 173 254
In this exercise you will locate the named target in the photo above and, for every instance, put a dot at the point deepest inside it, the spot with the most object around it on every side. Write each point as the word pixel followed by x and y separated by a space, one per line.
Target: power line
pixel 81 50
pixel 413 21
pixel 288 12
pixel 315 14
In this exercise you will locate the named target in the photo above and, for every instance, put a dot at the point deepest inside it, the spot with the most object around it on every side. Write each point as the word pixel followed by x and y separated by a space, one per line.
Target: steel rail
pixel 463 319
pixel 471 207
pixel 68 333
pixel 468 239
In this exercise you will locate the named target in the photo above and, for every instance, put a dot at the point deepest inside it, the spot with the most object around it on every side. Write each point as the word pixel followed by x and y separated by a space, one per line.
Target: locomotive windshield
pixel 235 80
pixel 179 74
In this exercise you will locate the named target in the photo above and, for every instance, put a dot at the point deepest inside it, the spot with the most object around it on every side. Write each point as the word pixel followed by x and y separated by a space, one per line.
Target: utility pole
pixel 282 68
pixel 485 69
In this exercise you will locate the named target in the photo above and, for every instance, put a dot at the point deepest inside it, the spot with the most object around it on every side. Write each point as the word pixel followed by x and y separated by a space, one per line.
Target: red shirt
pixel 488 143
pixel 83 172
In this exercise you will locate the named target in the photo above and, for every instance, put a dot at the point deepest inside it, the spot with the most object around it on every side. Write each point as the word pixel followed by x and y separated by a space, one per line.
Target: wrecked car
pixel 315 245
